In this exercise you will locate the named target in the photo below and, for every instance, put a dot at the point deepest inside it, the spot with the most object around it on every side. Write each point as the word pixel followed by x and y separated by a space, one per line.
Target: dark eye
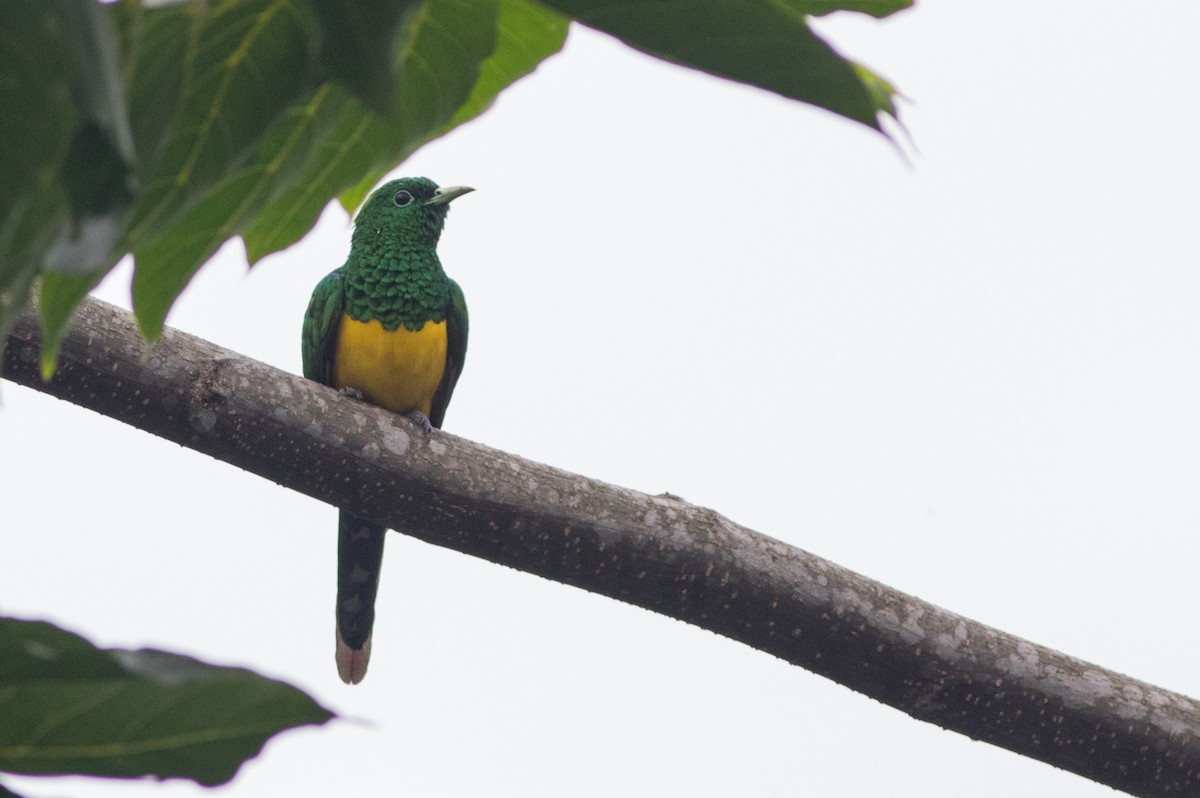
pixel 402 198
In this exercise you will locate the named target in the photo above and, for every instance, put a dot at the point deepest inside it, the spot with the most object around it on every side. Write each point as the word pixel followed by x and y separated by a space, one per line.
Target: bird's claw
pixel 421 420
pixel 353 393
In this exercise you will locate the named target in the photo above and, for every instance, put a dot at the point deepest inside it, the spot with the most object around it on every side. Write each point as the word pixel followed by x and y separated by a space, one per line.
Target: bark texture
pixel 657 552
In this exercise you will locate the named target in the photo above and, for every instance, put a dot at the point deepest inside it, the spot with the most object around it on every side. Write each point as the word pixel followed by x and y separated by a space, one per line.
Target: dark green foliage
pixel 235 125
pixel 765 44
pixel 35 128
pixel 357 42
pixel 448 44
pixel 133 713
pixel 97 171
pixel 175 127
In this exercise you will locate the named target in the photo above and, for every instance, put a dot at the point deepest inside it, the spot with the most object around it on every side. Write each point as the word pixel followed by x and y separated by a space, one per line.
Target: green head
pixel 406 213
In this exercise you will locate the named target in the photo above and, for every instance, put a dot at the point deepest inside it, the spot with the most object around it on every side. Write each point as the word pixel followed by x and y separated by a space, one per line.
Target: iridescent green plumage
pixel 365 331
pixel 393 273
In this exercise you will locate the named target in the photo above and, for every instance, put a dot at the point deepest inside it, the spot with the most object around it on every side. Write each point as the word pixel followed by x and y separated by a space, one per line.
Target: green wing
pixel 456 353
pixel 321 322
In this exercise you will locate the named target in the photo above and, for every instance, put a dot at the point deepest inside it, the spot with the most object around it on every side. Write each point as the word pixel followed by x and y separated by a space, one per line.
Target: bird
pixel 390 328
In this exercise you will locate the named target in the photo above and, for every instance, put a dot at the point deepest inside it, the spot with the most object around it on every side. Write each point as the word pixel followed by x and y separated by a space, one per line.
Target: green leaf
pixel 358 46
pixel 526 35
pixel 435 73
pixel 33 229
pixel 765 43
pixel 244 63
pixel 96 180
pixel 72 708
pixel 876 8
pixel 168 262
pixel 883 92
pixel 36 125
pixel 156 40
pixel 234 131
pixel 100 162
pixel 59 294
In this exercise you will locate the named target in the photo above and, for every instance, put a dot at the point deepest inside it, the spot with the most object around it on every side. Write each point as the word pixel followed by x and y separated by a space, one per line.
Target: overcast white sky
pixel 975 377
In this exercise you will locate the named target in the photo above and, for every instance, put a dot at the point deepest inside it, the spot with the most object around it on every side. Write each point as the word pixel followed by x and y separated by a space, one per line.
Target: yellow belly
pixel 399 370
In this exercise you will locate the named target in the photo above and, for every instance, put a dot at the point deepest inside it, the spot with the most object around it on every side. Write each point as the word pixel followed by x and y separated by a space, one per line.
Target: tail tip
pixel 352 662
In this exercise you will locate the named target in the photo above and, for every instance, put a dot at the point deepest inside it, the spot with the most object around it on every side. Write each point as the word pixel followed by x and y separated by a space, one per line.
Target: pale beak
pixel 444 195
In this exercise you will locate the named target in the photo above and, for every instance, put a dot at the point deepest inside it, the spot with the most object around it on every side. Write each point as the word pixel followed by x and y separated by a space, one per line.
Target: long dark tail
pixel 360 559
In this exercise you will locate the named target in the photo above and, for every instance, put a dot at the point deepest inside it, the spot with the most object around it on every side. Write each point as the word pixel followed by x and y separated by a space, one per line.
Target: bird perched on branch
pixel 388 327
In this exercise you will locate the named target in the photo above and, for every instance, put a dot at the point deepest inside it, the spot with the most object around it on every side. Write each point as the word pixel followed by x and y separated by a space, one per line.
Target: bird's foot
pixel 421 420
pixel 353 393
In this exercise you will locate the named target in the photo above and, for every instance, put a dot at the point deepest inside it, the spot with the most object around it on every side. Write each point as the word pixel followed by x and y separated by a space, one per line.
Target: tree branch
pixel 657 552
